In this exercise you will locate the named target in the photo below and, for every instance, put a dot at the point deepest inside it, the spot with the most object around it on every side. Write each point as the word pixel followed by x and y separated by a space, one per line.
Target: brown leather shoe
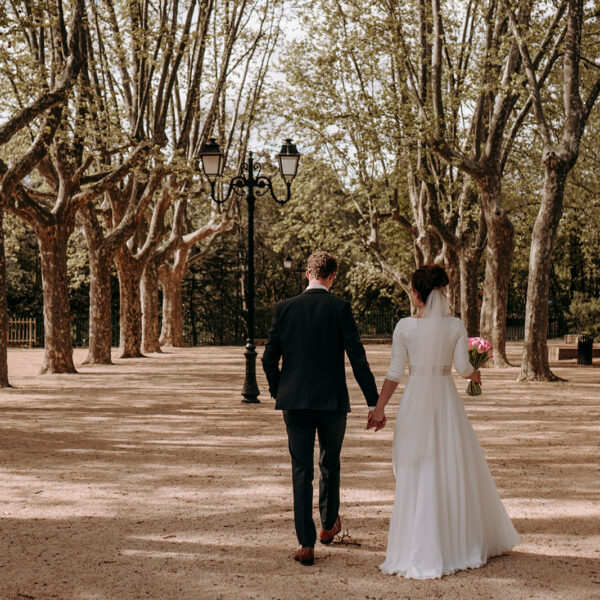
pixel 305 556
pixel 326 536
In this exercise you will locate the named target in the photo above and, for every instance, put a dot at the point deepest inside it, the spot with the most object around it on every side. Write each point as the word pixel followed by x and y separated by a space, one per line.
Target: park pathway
pixel 149 479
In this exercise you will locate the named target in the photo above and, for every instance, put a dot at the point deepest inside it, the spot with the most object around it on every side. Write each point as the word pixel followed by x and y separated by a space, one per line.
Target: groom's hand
pixel 376 419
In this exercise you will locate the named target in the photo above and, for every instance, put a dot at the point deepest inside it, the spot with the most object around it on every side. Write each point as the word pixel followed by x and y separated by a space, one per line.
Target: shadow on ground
pixel 149 479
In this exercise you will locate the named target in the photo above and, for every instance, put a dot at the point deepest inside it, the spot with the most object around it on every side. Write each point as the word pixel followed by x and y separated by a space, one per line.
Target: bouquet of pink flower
pixel 480 351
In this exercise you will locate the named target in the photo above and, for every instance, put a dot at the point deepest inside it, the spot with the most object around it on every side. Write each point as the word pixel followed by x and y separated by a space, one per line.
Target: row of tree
pixel 432 125
pixel 127 91
pixel 426 109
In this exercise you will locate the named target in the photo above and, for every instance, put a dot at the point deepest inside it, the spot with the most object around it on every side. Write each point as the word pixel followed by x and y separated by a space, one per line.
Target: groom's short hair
pixel 321 264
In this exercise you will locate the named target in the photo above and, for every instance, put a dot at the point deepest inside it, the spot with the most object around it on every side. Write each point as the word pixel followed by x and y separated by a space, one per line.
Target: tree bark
pixel 129 272
pixel 100 345
pixel 3 311
pixel 469 261
pixel 451 263
pixel 500 246
pixel 149 290
pixel 171 281
pixel 100 262
pixel 534 366
pixel 52 241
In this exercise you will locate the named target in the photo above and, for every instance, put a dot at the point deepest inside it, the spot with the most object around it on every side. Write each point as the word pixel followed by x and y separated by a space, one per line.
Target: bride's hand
pixel 476 376
pixel 381 424
pixel 376 419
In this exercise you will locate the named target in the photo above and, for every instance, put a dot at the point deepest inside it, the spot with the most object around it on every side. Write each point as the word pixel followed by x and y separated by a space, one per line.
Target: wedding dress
pixel 447 513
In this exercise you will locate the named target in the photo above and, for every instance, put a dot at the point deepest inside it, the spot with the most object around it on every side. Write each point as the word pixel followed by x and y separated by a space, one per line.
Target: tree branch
pixel 95 190
pixel 534 88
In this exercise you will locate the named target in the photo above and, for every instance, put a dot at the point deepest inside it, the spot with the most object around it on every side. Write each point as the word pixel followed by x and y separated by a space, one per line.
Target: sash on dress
pixel 439 370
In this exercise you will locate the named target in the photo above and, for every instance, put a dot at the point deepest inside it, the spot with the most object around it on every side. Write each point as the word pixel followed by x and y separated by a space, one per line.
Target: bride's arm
pixel 392 378
pixel 462 364
pixel 377 416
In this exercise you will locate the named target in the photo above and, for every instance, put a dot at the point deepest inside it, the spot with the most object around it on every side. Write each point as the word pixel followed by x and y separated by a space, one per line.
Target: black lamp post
pixel 287 265
pixel 250 184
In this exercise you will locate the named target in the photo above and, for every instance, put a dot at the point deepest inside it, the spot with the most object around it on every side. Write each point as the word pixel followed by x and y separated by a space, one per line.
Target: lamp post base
pixel 250 389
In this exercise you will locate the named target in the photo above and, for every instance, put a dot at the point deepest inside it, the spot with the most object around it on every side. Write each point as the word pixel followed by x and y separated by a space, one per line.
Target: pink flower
pixel 480 351
pixel 483 346
pixel 479 345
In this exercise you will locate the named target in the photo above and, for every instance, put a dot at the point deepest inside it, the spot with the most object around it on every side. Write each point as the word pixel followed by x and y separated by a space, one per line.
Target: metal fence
pixel 233 331
pixel 515 328
pixel 230 329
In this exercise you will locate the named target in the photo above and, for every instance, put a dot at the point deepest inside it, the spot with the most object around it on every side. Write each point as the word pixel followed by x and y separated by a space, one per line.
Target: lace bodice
pixel 454 351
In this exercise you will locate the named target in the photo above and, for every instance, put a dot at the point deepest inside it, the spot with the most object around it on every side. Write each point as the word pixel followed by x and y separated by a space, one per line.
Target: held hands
pixel 376 419
pixel 377 415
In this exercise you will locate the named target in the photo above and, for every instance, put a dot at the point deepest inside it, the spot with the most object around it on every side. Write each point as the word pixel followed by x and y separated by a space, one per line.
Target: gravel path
pixel 149 479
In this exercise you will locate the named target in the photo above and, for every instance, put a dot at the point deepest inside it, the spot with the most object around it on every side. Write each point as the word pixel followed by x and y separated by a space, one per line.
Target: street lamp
pixel 250 184
pixel 287 265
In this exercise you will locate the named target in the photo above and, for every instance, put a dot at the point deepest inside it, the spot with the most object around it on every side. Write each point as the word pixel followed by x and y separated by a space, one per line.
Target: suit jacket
pixel 310 332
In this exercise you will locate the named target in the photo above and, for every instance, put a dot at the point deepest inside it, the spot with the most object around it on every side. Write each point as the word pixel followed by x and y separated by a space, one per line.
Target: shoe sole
pixel 307 563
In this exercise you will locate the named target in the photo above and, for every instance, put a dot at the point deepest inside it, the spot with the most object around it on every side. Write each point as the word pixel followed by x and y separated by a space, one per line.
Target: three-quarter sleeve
pixel 399 356
pixel 461 352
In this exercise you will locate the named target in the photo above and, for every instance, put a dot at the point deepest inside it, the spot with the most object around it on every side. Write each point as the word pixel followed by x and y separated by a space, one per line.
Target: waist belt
pixel 441 371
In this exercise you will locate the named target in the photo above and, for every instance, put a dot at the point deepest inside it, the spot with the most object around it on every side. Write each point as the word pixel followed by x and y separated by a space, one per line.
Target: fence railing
pixel 22 332
pixel 515 328
pixel 230 329
pixel 30 331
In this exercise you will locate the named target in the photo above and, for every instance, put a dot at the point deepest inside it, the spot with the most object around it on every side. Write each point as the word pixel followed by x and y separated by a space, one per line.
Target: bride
pixel 447 513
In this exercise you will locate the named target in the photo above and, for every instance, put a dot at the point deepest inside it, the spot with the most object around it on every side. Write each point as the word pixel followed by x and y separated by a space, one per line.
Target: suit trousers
pixel 330 426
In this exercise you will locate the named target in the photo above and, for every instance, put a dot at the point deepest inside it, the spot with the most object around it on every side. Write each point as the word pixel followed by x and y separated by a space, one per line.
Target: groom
pixel 310 332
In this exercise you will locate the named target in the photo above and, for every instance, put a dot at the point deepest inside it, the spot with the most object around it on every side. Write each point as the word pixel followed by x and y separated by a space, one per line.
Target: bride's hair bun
pixel 428 278
pixel 439 277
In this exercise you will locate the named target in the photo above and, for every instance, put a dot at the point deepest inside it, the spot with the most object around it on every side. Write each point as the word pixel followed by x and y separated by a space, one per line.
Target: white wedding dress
pixel 447 513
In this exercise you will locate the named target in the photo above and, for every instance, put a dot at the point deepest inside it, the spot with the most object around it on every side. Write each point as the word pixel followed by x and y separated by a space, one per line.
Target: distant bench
pixel 565 352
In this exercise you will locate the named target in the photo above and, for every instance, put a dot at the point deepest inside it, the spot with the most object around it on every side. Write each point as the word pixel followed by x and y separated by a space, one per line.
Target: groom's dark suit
pixel 310 333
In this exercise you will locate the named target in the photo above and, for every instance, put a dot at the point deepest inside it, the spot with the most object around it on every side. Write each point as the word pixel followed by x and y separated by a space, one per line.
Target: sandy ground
pixel 149 479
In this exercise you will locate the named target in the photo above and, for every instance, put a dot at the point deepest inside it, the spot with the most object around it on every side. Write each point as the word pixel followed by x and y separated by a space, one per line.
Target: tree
pixel 3 310
pixel 144 98
pixel 354 114
pixel 170 274
pixel 252 54
pixel 558 159
pixel 483 152
pixel 66 55
pixel 449 199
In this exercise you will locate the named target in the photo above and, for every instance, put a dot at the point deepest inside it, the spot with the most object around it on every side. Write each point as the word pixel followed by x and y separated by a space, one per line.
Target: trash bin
pixel 585 345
